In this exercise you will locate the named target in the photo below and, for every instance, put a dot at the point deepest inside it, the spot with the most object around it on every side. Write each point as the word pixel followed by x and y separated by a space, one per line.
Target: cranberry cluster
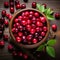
pixel 29 27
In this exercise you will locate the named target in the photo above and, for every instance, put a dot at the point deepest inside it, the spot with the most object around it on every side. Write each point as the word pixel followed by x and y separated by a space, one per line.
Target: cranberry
pixel 10 47
pixel 34 40
pixel 6 23
pixel 16 30
pixel 18 6
pixel 45 28
pixel 43 34
pixel 29 37
pixel 44 5
pixel 41 29
pixel 13 30
pixel 23 37
pixel 11 4
pixel 33 26
pixel 18 39
pixel 32 31
pixel 2 43
pixel 36 14
pixel 37 29
pixel 20 17
pixel 30 16
pixel 16 2
pixel 40 38
pixel 26 13
pixel 7 15
pixel 23 6
pixel 5 37
pixel 3 12
pixel 16 20
pixel 43 19
pixel 14 53
pixel 20 53
pixel 28 21
pixel 12 9
pixel 38 23
pixel 24 22
pixel 33 4
pixel 28 27
pixel 10 17
pixel 17 24
pixel 25 56
pixel 11 0
pixel 57 15
pixel 20 28
pixel 54 27
pixel 6 4
pixel 33 20
pixel 36 34
pixel 20 34
pixel 31 13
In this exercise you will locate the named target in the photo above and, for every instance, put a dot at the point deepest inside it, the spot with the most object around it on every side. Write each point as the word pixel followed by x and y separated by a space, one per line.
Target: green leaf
pixel 50 51
pixel 40 48
pixel 40 8
pixel 50 17
pixel 51 42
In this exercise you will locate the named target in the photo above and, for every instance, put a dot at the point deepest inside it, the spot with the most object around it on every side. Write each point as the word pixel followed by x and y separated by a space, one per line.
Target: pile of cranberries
pixel 29 27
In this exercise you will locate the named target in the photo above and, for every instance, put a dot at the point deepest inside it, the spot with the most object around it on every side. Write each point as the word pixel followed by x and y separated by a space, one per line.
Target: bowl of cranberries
pixel 29 28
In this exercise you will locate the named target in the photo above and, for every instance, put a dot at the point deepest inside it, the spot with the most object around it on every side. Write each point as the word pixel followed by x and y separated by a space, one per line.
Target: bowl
pixel 23 45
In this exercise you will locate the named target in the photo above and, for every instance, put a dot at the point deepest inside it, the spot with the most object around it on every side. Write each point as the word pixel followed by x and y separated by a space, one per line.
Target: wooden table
pixel 54 4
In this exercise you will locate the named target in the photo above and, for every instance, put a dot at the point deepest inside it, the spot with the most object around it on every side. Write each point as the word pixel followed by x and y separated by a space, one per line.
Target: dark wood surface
pixel 54 4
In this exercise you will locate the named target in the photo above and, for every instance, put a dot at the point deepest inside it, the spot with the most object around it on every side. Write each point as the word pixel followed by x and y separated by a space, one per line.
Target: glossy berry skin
pixel 6 23
pixel 20 34
pixel 12 9
pixel 6 4
pixel 45 29
pixel 26 13
pixel 11 4
pixel 16 2
pixel 43 34
pixel 57 15
pixel 18 6
pixel 2 43
pixel 54 27
pixel 18 39
pixel 7 15
pixel 33 4
pixel 10 17
pixel 5 37
pixel 3 13
pixel 34 40
pixel 36 14
pixel 23 6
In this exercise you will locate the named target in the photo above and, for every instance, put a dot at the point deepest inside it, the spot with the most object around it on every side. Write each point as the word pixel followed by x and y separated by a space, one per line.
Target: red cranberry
pixel 14 53
pixel 25 56
pixel 16 2
pixel 36 14
pixel 33 26
pixel 16 30
pixel 16 20
pixel 30 16
pixel 38 23
pixel 18 6
pixel 32 31
pixel 5 37
pixel 20 53
pixel 45 28
pixel 2 43
pixel 37 29
pixel 23 37
pixel 36 34
pixel 41 29
pixel 11 4
pixel 26 13
pixel 28 27
pixel 25 18
pixel 6 4
pixel 6 23
pixel 20 28
pixel 3 12
pixel 34 40
pixel 13 30
pixel 17 24
pixel 54 27
pixel 10 47
pixel 40 38
pixel 43 19
pixel 44 5
pixel 33 20
pixel 31 13
pixel 20 17
pixel 43 34
pixel 29 37
pixel 20 34
pixel 10 17
pixel 28 21
pixel 7 15
pixel 23 6
pixel 18 39
pixel 57 15
pixel 12 9
pixel 33 4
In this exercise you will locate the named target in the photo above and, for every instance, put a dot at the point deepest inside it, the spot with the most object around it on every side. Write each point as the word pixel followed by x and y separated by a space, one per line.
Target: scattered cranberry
pixel 54 27
pixel 5 37
pixel 10 17
pixel 2 43
pixel 44 5
pixel 16 2
pixel 25 56
pixel 6 4
pixel 23 6
pixel 33 4
pixel 57 15
pixel 3 13
pixel 6 23
pixel 12 9
pixel 7 15
pixel 18 6
pixel 11 4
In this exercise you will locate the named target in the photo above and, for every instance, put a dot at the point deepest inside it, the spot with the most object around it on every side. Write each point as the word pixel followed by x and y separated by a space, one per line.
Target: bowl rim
pixel 20 44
